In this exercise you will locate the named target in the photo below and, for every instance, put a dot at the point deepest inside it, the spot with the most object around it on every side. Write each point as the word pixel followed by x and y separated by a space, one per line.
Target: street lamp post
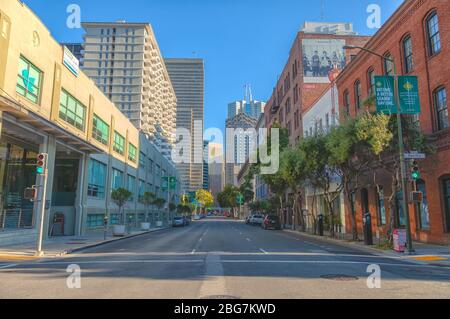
pixel 401 145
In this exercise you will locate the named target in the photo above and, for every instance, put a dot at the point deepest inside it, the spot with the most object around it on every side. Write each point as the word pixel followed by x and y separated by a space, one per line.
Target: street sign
pixel 384 94
pixel 415 155
pixel 240 199
pixel 408 90
pixel 168 181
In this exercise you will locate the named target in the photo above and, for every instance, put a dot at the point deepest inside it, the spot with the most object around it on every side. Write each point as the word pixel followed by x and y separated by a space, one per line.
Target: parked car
pixel 256 219
pixel 196 217
pixel 272 222
pixel 179 221
pixel 247 220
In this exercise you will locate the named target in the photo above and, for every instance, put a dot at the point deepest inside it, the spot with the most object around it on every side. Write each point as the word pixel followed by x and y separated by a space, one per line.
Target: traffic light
pixel 415 172
pixel 41 164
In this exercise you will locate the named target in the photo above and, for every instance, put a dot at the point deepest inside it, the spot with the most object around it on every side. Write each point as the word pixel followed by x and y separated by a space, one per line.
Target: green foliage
pixel 204 197
pixel 159 202
pixel 147 199
pixel 120 196
pixel 227 198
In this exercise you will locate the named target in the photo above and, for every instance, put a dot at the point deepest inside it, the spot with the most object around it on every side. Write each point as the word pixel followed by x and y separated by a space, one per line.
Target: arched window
pixel 407 54
pixel 358 97
pixel 388 64
pixel 347 102
pixel 440 104
pixel 433 35
pixel 371 81
pixel 446 197
pixel 423 212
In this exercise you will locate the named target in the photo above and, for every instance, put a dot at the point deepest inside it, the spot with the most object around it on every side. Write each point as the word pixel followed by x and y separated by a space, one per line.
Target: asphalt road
pixel 215 257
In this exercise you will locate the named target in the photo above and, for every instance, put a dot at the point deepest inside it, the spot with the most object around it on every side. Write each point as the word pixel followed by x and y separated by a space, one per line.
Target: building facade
pixel 316 57
pixel 188 80
pixel 205 165
pixel 216 169
pixel 240 140
pixel 249 107
pixel 417 38
pixel 51 107
pixel 125 62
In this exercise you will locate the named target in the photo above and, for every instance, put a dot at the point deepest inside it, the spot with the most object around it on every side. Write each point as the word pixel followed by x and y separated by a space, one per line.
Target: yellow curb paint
pixel 429 258
pixel 16 258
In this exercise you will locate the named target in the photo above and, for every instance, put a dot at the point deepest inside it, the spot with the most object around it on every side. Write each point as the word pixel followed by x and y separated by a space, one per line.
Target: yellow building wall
pixel 22 33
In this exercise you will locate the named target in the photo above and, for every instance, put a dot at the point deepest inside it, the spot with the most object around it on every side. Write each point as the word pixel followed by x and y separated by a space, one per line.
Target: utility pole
pixel 42 171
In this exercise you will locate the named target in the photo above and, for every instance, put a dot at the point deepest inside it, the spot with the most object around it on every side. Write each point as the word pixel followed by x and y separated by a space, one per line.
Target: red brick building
pixel 298 87
pixel 417 37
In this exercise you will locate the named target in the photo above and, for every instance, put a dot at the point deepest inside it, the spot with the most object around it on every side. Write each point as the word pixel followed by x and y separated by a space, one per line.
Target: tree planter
pixel 159 224
pixel 145 226
pixel 119 230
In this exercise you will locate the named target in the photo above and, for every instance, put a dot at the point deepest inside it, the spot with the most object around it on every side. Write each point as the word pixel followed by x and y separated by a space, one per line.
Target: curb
pixel 374 251
pixel 75 250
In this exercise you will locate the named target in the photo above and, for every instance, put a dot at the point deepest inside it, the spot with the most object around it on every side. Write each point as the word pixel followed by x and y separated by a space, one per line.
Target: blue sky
pixel 241 41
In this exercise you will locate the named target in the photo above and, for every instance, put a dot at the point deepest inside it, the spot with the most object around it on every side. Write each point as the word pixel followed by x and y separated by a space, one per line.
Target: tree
pixel 292 171
pixel 159 202
pixel 204 198
pixel 147 200
pixel 389 161
pixel 353 148
pixel 120 196
pixel 227 198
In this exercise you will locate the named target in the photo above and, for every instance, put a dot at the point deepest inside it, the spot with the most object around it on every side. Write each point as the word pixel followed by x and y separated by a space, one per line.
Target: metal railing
pixel 16 218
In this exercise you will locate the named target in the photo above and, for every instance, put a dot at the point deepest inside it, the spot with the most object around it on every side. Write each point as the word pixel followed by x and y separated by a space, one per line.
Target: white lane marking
pixel 247 239
pixel 263 251
pixel 214 280
pixel 193 251
pixel 8 266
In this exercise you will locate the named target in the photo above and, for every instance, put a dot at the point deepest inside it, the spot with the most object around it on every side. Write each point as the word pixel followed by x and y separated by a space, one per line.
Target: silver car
pixel 256 219
pixel 178 222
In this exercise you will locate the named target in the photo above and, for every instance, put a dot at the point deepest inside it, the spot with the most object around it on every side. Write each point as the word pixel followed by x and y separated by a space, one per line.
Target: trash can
pixel 368 236
pixel 320 225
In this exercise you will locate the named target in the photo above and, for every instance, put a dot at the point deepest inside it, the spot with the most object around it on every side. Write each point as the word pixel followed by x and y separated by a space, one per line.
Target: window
pixel 119 143
pixel 141 188
pixel 434 38
pixel 440 101
pixel 381 208
pixel 422 209
pixel 94 220
pixel 142 160
pixel 131 185
pixel 347 102
pixel 100 130
pixel 371 81
pixel 446 193
pixel 408 54
pixel 132 152
pixel 388 64
pixel 29 80
pixel 296 94
pixel 116 179
pixel 96 179
pixel 72 111
pixel 358 94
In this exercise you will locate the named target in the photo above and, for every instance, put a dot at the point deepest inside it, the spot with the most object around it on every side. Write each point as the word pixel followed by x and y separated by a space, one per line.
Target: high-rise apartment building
pixel 125 62
pixel 205 165
pixel 187 77
pixel 216 168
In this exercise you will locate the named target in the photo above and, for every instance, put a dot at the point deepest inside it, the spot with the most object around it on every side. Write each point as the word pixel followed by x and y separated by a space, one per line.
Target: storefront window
pixel 100 130
pixel 400 213
pixel 117 179
pixel 119 143
pixel 72 111
pixel 17 172
pixel 97 176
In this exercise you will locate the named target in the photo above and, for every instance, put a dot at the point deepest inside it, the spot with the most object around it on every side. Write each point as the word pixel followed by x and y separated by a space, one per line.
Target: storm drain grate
pixel 220 297
pixel 339 277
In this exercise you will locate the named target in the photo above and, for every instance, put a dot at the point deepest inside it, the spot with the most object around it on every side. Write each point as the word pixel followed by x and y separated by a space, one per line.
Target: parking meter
pixel 367 223
pixel 320 225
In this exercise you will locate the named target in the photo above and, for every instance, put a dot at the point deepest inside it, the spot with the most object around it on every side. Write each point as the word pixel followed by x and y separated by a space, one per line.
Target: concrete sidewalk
pixel 424 253
pixel 59 246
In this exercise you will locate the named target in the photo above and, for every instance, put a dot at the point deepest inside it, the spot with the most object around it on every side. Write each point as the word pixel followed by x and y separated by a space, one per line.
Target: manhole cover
pixel 339 277
pixel 220 297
